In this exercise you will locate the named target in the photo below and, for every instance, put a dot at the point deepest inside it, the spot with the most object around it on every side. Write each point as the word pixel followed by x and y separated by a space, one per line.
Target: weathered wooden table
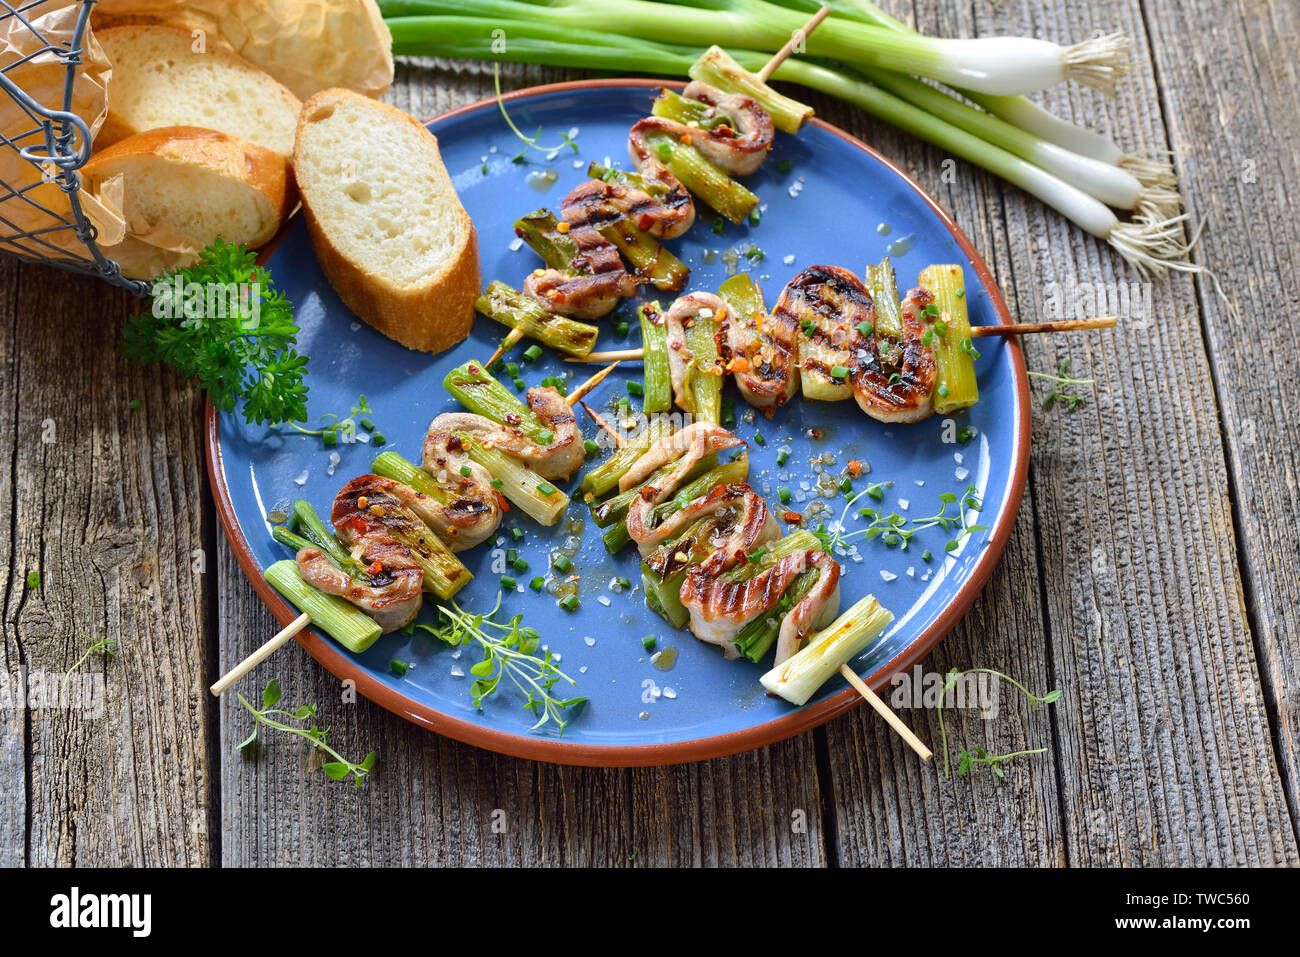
pixel 1152 575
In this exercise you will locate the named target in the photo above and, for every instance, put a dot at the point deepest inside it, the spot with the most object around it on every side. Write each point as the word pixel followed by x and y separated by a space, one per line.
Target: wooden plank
pixel 1163 748
pixel 1231 102
pixel 888 809
pixel 103 501
pixel 435 801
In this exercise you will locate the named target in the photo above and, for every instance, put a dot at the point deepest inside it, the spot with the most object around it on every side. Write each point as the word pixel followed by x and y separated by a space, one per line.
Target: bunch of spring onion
pixel 864 57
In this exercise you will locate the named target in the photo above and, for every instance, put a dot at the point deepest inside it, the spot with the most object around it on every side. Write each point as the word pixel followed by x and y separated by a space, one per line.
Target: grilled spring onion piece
pixel 444 575
pixel 390 465
pixel 883 286
pixel 512 308
pixel 652 261
pixel 540 230
pixel 754 640
pixel 704 180
pixel 698 484
pixel 349 626
pixel 614 509
pixel 538 498
pixel 658 384
pixel 606 475
pixel 705 370
pixel 671 105
pixel 815 380
pixel 306 521
pixel 801 540
pixel 954 355
pixel 475 389
pixel 690 545
pixel 716 68
pixel 799 676
pixel 740 293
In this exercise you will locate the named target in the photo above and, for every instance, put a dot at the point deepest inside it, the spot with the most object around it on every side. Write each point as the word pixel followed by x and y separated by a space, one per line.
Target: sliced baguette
pixel 385 222
pixel 160 80
pixel 182 187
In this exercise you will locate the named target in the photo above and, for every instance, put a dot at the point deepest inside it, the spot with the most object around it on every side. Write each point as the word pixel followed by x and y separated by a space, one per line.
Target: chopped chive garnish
pixel 634 388
pixel 368 424
pixel 519 565
pixel 876 493
pixel 926 555
pixel 728 412
pixel 399 666
pixel 782 457
pixel 545 438
pixel 758 437
pixel 622 582
pixel 562 563
pixel 377 438
pixel 546 488
pixel 511 555
pixel 755 217
pixel 719 225
pixel 648 642
pixel 466 471
pixel 783 494
pixel 591 447
pixel 943 390
pixel 757 555
pixel 846 484
pixel 517 534
pixel 621 328
pixel 497 483
pixel 569 603
pixel 839 372
pixel 537 583
pixel 533 353
pixel 866 329
pixel 520 384
pixel 785 165
pixel 329 437
pixel 512 369
pixel 508 583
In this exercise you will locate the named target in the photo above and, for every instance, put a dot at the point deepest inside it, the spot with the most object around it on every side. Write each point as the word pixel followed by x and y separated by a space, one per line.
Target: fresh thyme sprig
pixel 345 430
pixel 509 651
pixel 336 770
pixel 980 756
pixel 1063 381
pixel 102 647
pixel 529 142
pixel 893 529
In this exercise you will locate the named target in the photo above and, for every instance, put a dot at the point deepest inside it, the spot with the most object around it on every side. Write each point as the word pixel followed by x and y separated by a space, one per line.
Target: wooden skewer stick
pixel 796 41
pixel 977 332
pixel 576 395
pixel 508 343
pixel 261 654
pixel 884 711
pixel 1060 325
pixel 601 421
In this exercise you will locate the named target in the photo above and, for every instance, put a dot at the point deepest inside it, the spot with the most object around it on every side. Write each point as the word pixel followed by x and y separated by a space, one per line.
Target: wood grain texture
pixel 1232 123
pixel 100 501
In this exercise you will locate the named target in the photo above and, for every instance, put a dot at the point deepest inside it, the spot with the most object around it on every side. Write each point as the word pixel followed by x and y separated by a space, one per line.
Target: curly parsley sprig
pixel 242 353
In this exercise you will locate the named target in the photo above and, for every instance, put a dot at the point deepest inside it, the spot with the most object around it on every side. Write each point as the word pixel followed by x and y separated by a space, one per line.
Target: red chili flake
pixel 454 443
pixel 473 369
pixel 816 433
pixel 501 500
pixel 645 221
pixel 512 418
pixel 374 568
pixel 792 518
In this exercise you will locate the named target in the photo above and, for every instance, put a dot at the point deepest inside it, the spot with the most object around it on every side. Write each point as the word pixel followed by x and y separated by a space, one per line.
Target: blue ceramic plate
pixel 827 199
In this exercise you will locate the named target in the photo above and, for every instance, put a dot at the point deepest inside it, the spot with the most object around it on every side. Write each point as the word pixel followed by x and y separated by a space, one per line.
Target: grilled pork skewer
pixel 720 609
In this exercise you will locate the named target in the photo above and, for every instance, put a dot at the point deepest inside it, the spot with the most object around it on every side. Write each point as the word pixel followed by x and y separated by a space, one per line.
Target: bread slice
pixel 386 223
pixel 160 80
pixel 182 187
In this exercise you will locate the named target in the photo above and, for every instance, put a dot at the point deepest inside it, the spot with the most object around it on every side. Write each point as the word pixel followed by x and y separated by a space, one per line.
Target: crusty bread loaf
pixel 308 45
pixel 386 223
pixel 183 187
pixel 160 80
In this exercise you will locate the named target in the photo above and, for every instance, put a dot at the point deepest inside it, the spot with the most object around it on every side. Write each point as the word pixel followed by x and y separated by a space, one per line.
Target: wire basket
pixel 58 144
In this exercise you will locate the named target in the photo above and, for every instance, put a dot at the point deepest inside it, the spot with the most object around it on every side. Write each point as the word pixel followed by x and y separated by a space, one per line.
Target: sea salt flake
pixel 669 693
pixel 517 244
pixel 961 473
pixel 887 576
pixel 903 503
pixel 788 259
pixel 589 641
pixel 457 671
pixel 301 479
pixel 603 600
